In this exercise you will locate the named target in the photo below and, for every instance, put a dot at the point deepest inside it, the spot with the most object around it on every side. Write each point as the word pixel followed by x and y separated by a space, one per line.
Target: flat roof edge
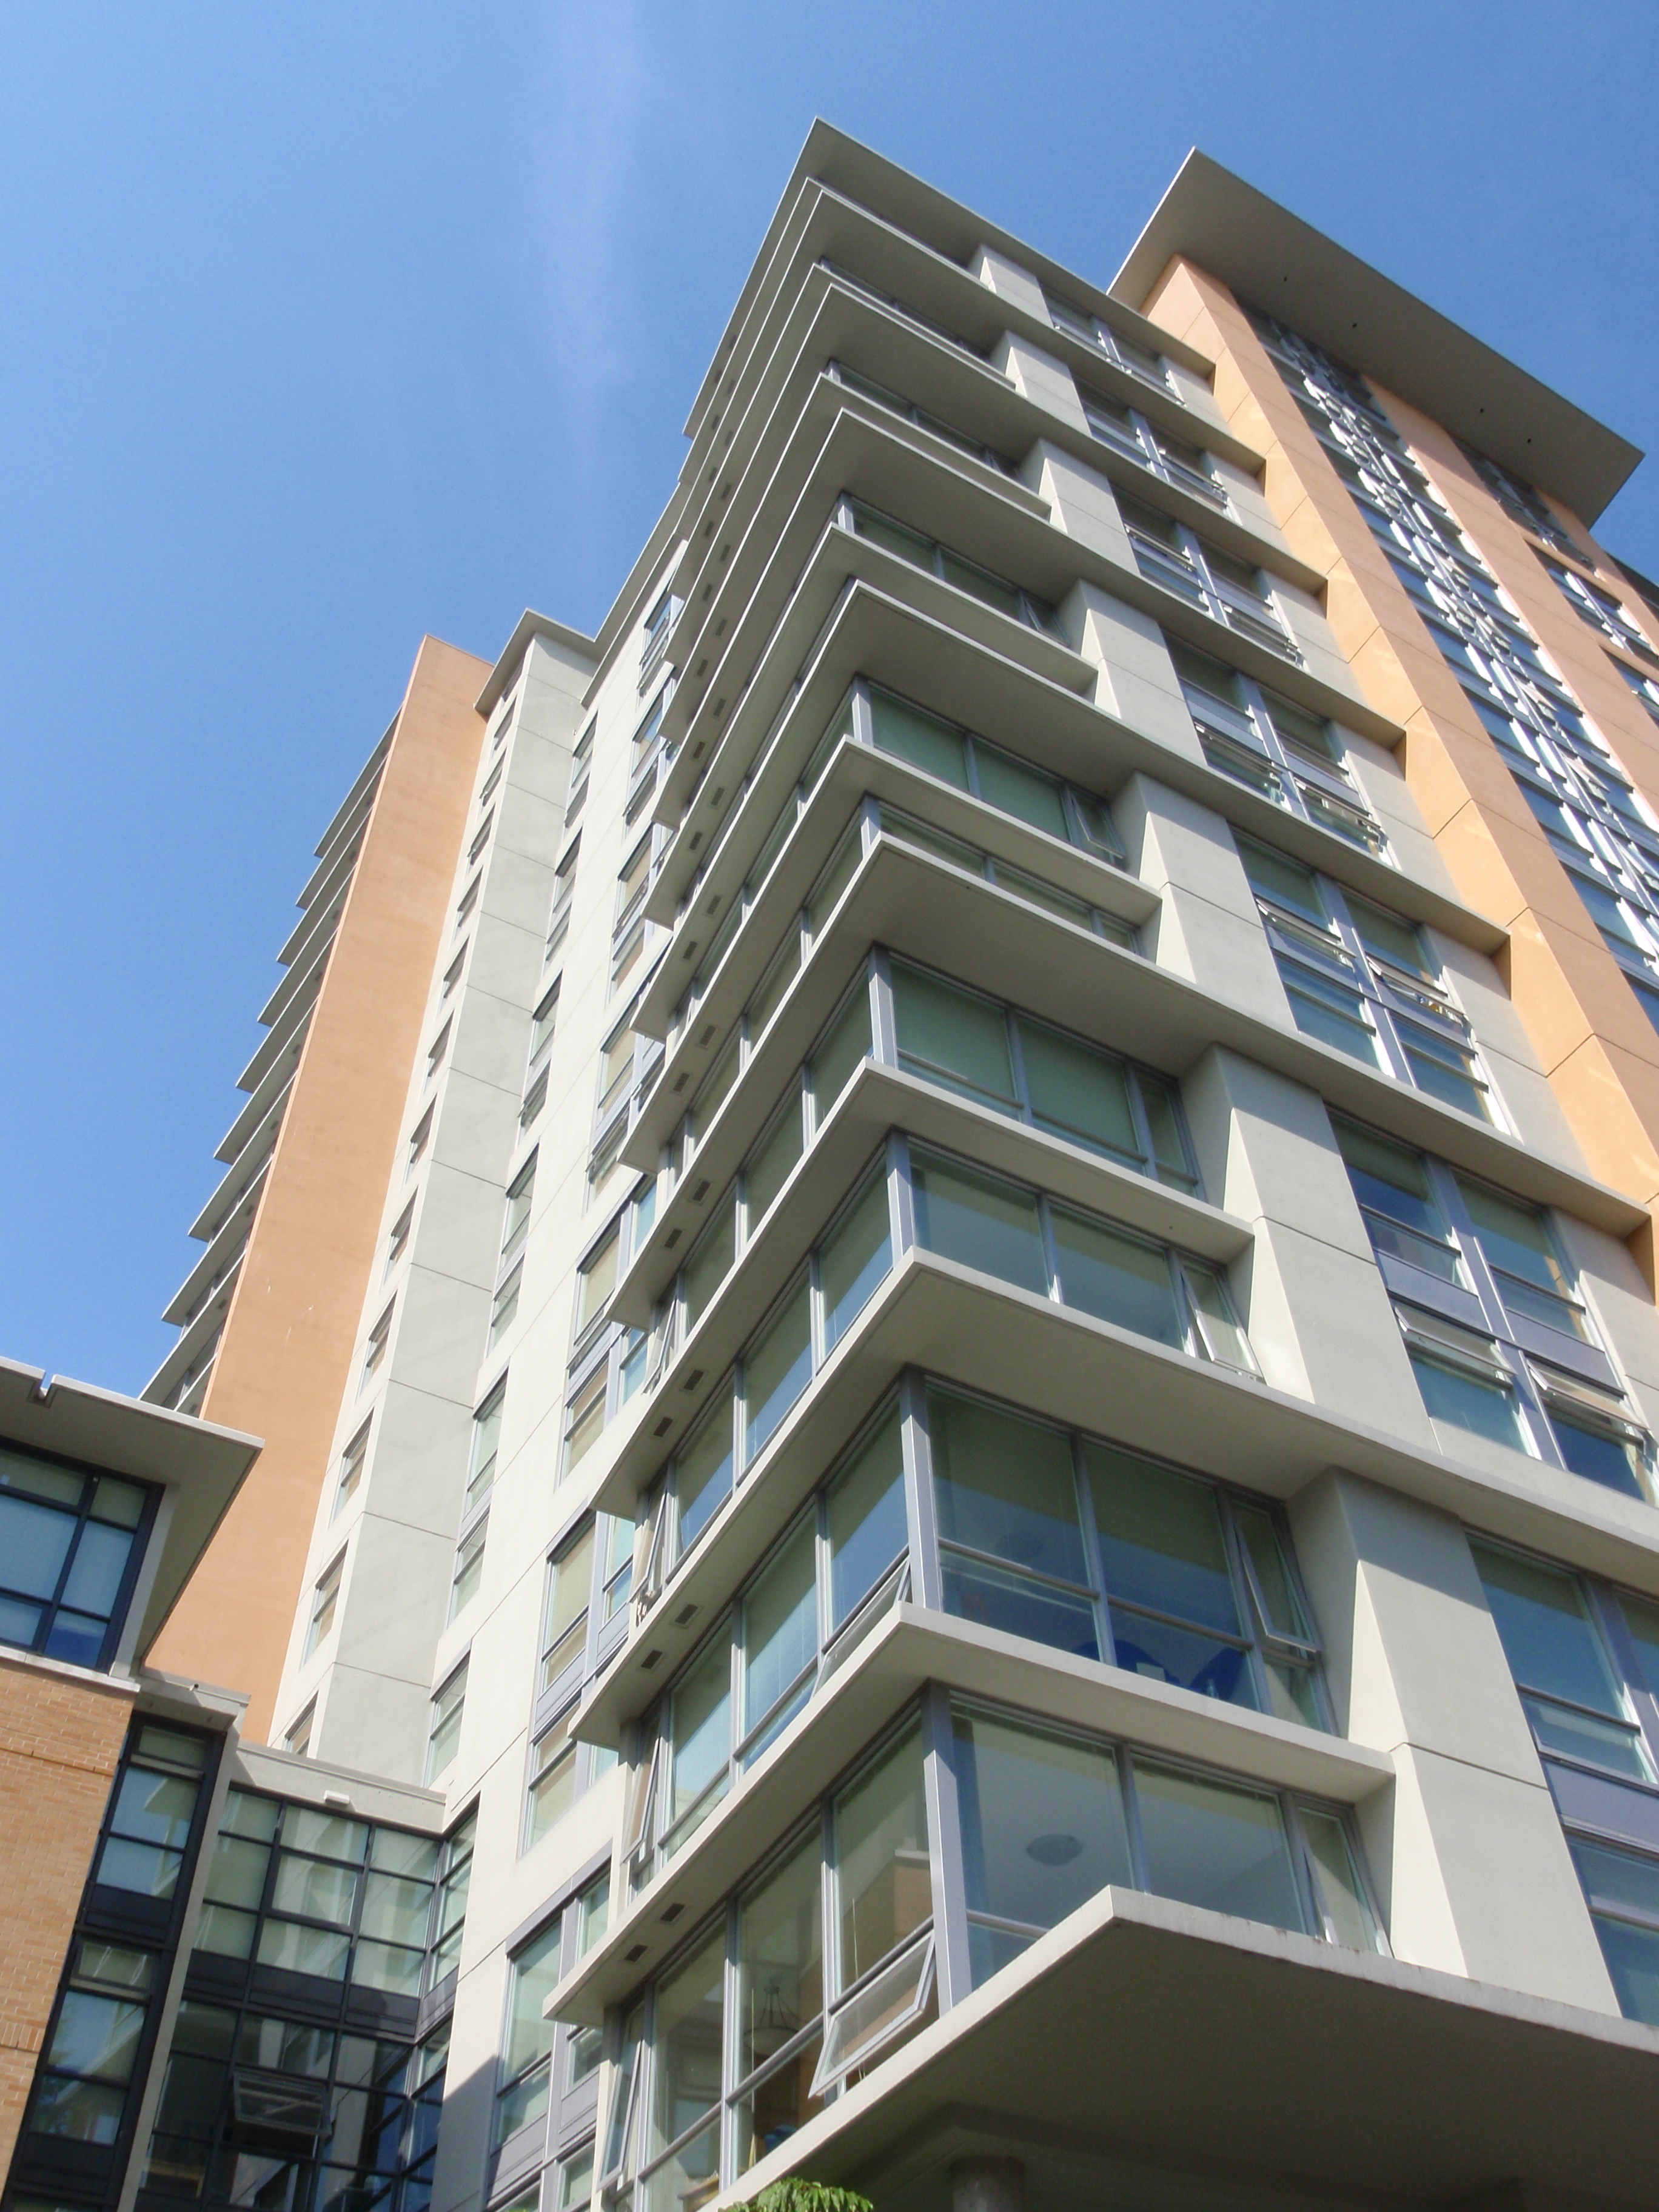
pixel 531 625
pixel 1275 260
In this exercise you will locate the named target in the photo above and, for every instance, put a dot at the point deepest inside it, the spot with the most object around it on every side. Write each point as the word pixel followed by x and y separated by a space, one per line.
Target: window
pixel 596 1278
pixel 951 1036
pixel 658 624
pixel 88 2061
pixel 444 1735
pixel 469 1566
pixel 841 1274
pixel 1276 748
pixel 633 883
pixel 324 1599
pixel 1077 1259
pixel 486 1440
pixel 151 1815
pixel 953 569
pixel 1229 591
pixel 481 837
pixel 491 785
pixel 1585 1659
pixel 1125 353
pixel 352 1461
pixel 564 889
pixel 375 1351
pixel 1567 774
pixel 552 1789
pixel 1601 610
pixel 298 1738
pixel 1126 431
pixel 1499 1338
pixel 419 1140
pixel 542 1023
pixel 923 418
pixel 469 900
pixel 70 1542
pixel 644 755
pixel 436 1051
pixel 520 1192
pixel 824 1959
pixel 528 2048
pixel 453 977
pixel 1361 980
pixel 564 1613
pixel 454 1879
pixel 504 1306
pixel 1035 890
pixel 397 1242
pixel 582 767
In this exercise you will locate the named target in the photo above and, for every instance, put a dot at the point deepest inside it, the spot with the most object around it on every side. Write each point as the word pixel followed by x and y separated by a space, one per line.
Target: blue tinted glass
pixel 100 1560
pixel 34 1543
pixel 1161 1653
pixel 77 1638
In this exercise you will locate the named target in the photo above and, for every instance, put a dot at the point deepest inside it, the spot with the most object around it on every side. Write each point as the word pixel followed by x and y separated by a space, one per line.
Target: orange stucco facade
pixel 1599 1049
pixel 61 1733
pixel 282 1369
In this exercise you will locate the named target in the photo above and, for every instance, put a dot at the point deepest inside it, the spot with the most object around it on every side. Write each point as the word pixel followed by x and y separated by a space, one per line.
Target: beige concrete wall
pixel 61 1732
pixel 1601 1053
pixel 283 1360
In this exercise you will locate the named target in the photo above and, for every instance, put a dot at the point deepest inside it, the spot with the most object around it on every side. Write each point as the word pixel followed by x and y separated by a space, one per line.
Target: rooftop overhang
pixel 1275 261
pixel 1143 2036
pixel 202 1466
pixel 529 627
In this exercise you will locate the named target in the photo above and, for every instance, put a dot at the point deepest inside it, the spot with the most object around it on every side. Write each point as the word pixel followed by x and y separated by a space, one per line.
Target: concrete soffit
pixel 1272 259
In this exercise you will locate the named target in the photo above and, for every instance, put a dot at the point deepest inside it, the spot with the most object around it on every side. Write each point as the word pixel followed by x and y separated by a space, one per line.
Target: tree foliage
pixel 796 2194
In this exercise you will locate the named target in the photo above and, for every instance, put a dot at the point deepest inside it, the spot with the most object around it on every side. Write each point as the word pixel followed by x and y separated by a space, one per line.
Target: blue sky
pixel 326 326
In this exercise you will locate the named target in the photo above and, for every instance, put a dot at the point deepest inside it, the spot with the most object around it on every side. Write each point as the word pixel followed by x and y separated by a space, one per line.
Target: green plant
pixel 796 2194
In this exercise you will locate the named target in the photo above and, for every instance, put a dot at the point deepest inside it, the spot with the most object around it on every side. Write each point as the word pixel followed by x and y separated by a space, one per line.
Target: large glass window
pixel 70 1540
pixel 824 1958
pixel 1274 747
pixel 1360 979
pixel 1227 589
pixel 1585 1660
pixel 953 569
pixel 1499 1338
pixel 527 2046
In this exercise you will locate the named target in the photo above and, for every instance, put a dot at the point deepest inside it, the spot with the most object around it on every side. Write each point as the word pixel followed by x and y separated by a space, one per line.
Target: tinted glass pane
pixel 100 1560
pixel 96 2035
pixel 700 1728
pixel 1633 1957
pixel 867 1529
pixel 853 1260
pixel 1463 1399
pixel 1081 1093
pixel 986 1224
pixel 1116 1277
pixel 1041 1819
pixel 76 1636
pixel 535 1971
pixel 780 1624
pixel 396 1909
pixel 328 1834
pixel 1211 1845
pixel 951 1036
pixel 711 1262
pixel 1017 789
pixel 317 1951
pixel 1018 1605
pixel 883 1889
pixel 703 1476
pixel 1597 1456
pixel 779 1956
pixel 1546 1632
pixel 24 1475
pixel 80 2112
pixel 1337 1879
pixel 1285 882
pixel 845 1045
pixel 317 1891
pixel 237 1875
pixel 777 1369
pixel 1160 1539
pixel 144 1868
pixel 1006 1486
pixel 769 1168
pixel 918 738
pixel 155 1808
pixel 34 1543
pixel 686 2040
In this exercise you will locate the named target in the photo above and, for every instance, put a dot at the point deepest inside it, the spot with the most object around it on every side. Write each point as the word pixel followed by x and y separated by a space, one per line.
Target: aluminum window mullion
pixel 926 1577
pixel 900 1197
pixel 1126 1782
pixel 884 1020
pixel 1093 1557
pixel 1050 1248
pixel 1016 1062
pixel 1143 1126
pixel 1315 1920
pixel 1609 1618
pixel 953 1964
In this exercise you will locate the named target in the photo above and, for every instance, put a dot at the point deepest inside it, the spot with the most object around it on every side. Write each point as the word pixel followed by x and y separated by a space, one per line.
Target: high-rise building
pixel 945 1252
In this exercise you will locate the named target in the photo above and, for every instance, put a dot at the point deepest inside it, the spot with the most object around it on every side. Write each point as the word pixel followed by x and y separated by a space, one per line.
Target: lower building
pixel 944 1254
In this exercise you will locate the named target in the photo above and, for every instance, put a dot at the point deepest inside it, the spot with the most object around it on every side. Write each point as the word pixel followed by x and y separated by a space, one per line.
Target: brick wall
pixel 60 1742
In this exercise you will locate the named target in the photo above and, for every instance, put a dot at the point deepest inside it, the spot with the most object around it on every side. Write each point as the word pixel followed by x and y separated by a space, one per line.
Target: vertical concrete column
pixel 1045 381
pixel 1009 281
pixel 1208 929
pixel 1137 679
pixel 1466 1850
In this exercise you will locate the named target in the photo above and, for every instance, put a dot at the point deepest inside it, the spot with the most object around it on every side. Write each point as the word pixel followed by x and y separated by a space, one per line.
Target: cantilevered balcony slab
pixel 966 1328
pixel 879 631
pixel 910 1648
pixel 965 507
pixel 831 318
pixel 916 905
pixel 1146 2053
